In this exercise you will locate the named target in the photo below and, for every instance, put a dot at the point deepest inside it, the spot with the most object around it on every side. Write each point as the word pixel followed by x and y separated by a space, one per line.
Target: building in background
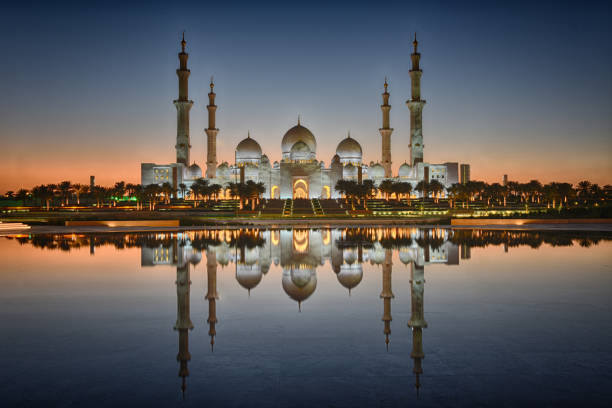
pixel 465 173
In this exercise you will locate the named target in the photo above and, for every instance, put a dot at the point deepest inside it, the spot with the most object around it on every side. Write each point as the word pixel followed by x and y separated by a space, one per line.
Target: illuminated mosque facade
pixel 298 174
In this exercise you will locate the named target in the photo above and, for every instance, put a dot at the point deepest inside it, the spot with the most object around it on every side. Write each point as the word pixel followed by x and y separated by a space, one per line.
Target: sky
pixel 523 89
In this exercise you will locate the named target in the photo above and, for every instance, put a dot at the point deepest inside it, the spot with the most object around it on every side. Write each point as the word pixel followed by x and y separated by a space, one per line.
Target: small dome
pixel 248 150
pixel 195 257
pixel 350 275
pixel 194 171
pixel 405 170
pixel 377 254
pixel 376 171
pixel 248 276
pixel 349 172
pixel 296 134
pixel 349 150
pixel 223 171
pixel 405 255
pixel 335 159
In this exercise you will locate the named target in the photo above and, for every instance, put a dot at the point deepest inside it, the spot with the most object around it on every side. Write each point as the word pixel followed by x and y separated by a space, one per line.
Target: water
pixel 340 318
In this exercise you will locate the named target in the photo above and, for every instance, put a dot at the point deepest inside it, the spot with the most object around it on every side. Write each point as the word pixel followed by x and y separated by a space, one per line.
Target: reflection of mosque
pixel 299 252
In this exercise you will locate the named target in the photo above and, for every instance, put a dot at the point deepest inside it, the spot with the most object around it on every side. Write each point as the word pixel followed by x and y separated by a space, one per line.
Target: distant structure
pixel 92 182
pixel 298 174
pixel 505 180
pixel 465 173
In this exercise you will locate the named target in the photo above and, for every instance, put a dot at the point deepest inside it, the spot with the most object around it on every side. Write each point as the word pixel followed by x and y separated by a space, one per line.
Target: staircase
pixel 226 205
pixel 316 207
pixel 288 208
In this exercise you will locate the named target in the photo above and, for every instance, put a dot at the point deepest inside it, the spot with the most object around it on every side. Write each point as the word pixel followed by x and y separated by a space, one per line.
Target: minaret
pixel 211 135
pixel 386 294
pixel 416 109
pixel 183 321
pixel 417 319
pixel 183 106
pixel 385 133
pixel 212 295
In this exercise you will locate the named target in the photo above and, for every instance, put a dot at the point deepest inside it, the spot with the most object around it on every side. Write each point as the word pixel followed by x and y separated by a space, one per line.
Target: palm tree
pixel 22 195
pixel 436 188
pixel 423 187
pixel 182 189
pixel 65 189
pixel 80 189
pixel 386 187
pixel 44 192
pixel 9 194
pixel 151 192
pixel 215 189
pixel 584 189
pixel 140 194
pixel 167 190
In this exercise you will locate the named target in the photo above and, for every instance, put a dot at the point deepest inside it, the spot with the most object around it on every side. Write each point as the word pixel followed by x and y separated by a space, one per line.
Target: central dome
pixel 297 134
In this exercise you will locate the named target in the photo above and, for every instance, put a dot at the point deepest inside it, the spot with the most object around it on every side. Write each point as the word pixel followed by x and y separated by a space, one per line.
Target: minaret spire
pixel 211 134
pixel 415 104
pixel 387 294
pixel 385 132
pixel 183 321
pixel 212 295
pixel 183 106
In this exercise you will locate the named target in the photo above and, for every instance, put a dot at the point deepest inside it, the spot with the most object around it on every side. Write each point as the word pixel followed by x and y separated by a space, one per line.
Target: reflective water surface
pixel 307 317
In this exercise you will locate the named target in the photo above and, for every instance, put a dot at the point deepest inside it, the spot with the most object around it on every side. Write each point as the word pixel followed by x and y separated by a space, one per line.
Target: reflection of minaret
pixel 183 321
pixel 211 135
pixel 212 295
pixel 417 318
pixel 183 106
pixel 416 109
pixel 387 294
pixel 385 133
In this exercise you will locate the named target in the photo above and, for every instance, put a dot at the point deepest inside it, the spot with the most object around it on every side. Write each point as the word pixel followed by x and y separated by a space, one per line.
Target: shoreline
pixel 567 225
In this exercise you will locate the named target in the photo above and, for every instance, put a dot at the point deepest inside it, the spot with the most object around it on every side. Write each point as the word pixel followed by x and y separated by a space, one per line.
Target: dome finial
pixel 183 42
pixel 299 119
pixel 349 134
pixel 248 134
pixel 212 83
pixel 386 84
pixel 415 43
pixel 299 306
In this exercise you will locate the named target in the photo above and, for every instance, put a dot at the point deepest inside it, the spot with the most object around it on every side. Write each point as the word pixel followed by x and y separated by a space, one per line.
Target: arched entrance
pixel 326 192
pixel 300 188
pixel 274 193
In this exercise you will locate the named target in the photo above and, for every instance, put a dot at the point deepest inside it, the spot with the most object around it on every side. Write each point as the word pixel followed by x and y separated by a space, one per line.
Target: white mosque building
pixel 298 174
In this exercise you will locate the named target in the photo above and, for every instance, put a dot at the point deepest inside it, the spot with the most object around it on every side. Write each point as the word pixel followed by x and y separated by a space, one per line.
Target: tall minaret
pixel 212 295
pixel 183 320
pixel 183 106
pixel 417 319
pixel 385 133
pixel 211 135
pixel 416 109
pixel 386 294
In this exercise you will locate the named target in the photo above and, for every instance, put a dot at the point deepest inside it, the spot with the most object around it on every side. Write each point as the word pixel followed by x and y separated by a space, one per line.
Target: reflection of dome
pixel 248 150
pixel 349 172
pixel 349 150
pixel 404 170
pixel 350 255
pixel 223 171
pixel 299 283
pixel 296 134
pixel 195 257
pixel 194 171
pixel 377 254
pixel 248 276
pixel 376 171
pixel 405 256
pixel 350 275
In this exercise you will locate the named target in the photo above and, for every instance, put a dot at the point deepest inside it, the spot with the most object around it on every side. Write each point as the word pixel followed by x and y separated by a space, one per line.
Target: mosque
pixel 298 174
